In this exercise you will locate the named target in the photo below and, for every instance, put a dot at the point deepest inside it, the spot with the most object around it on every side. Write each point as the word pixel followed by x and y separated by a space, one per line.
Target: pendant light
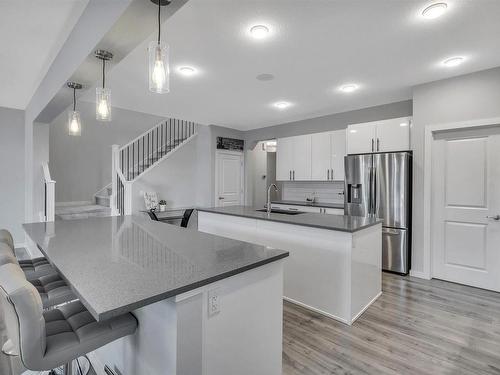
pixel 102 94
pixel 74 121
pixel 159 71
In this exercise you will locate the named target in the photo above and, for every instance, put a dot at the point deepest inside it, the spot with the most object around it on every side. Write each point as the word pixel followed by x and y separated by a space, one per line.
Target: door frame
pixel 430 130
pixel 241 154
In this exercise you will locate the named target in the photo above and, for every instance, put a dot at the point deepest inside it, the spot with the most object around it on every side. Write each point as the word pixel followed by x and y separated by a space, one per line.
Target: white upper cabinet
pixel 301 158
pixel 379 136
pixel 337 154
pixel 284 159
pixel 320 156
pixel 361 138
pixel 316 157
pixel 393 135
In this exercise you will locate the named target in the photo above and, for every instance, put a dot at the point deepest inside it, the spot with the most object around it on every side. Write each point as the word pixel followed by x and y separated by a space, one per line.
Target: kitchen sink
pixel 284 212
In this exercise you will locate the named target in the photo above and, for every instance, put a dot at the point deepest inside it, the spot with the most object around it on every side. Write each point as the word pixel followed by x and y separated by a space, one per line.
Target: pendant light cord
pixel 103 73
pixel 159 21
pixel 74 99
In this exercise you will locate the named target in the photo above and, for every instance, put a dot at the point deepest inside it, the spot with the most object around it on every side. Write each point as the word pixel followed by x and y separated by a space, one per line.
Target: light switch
pixel 213 302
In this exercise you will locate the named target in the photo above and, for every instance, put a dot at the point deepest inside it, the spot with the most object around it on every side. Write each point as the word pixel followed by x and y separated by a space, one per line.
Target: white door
pixel 338 151
pixel 320 156
pixel 393 135
pixel 466 202
pixel 229 178
pixel 301 158
pixel 284 159
pixel 361 138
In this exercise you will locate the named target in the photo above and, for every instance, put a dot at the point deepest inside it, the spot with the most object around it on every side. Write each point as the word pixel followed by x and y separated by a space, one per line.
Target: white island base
pixel 335 273
pixel 179 336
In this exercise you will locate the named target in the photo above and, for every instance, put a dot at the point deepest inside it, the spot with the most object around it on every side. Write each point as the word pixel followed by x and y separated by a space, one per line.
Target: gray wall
pixel 82 165
pixel 467 97
pixel 330 122
pixel 12 171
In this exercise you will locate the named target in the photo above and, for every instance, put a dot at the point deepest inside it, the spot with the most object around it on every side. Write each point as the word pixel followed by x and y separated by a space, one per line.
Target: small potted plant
pixel 163 205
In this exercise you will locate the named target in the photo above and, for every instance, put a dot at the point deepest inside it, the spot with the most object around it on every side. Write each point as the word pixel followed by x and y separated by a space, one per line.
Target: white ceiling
pixel 383 45
pixel 31 34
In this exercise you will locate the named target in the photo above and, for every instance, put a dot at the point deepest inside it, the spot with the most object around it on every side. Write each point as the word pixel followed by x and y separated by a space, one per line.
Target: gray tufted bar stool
pixel 45 340
pixel 52 288
pixel 33 268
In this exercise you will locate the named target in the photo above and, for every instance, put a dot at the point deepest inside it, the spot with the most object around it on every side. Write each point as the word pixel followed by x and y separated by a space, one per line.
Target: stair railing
pixel 142 154
pixel 49 194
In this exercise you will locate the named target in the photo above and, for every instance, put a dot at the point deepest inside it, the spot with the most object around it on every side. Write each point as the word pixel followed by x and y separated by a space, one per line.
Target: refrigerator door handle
pixel 370 196
pixel 374 188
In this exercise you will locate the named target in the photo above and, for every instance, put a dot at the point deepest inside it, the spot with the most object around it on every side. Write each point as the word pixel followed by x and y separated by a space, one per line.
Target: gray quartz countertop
pixel 310 204
pixel 118 264
pixel 324 221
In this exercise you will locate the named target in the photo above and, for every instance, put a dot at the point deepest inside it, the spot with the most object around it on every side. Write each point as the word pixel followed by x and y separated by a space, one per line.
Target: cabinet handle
pixel 331 174
pixel 294 175
pixel 328 174
pixel 290 175
pixel 378 144
pixel 373 145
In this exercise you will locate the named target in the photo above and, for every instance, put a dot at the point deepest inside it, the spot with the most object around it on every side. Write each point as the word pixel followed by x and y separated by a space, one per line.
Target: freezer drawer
pixel 395 254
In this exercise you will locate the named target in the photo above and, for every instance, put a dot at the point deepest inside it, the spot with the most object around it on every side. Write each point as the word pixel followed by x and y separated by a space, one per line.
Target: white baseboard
pixel 364 308
pixel 316 310
pixel 419 274
pixel 74 203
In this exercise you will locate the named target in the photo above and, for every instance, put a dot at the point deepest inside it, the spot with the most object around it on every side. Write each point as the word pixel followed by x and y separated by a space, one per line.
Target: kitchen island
pixel 205 304
pixel 334 266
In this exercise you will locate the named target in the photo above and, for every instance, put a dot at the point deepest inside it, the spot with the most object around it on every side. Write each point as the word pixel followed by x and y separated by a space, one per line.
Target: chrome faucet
pixel 269 196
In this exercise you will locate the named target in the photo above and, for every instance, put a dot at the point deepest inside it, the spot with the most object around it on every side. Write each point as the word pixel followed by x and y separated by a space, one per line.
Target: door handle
pixel 221 198
pixel 378 144
pixel 496 217
pixel 331 173
pixel 328 174
pixel 293 175
pixel 373 145
pixel 290 175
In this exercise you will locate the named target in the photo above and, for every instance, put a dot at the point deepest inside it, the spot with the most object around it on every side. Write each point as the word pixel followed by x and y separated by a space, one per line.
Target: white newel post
pixel 50 208
pixel 114 161
pixel 127 198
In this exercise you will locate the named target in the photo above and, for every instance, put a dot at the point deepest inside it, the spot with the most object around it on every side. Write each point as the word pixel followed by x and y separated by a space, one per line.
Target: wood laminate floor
pixel 415 327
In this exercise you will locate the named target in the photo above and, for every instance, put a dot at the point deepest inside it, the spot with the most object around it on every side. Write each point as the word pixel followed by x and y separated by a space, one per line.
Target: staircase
pixel 141 155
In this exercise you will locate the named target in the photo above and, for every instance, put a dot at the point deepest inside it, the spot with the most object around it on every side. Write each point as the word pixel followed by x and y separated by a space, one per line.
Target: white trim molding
pixel 426 273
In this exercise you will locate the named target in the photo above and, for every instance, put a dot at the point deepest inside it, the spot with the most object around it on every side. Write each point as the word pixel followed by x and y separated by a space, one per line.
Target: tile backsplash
pixel 325 192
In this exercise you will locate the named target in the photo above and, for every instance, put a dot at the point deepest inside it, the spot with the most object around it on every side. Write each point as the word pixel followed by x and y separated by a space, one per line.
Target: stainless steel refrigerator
pixel 380 185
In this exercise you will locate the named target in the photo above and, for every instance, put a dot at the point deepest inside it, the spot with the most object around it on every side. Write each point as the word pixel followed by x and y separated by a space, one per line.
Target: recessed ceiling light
pixel 350 87
pixel 434 10
pixel 403 124
pixel 259 31
pixel 282 105
pixel 187 70
pixel 353 131
pixel 453 61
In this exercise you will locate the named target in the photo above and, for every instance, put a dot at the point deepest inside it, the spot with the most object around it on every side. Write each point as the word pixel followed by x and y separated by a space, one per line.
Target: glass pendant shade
pixel 74 123
pixel 103 104
pixel 159 70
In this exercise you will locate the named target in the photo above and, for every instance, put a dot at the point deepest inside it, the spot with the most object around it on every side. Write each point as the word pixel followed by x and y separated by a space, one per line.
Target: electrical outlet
pixel 213 302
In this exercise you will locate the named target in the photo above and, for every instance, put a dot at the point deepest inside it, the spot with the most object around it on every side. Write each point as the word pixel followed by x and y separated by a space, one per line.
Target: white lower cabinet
pixel 334 273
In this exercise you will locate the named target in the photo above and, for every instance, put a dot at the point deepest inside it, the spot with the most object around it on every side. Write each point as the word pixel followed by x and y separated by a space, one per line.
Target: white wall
pixel 40 156
pixel 82 165
pixel 12 172
pixel 471 96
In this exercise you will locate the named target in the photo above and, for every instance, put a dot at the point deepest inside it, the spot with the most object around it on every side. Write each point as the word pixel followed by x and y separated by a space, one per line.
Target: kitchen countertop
pixel 118 264
pixel 324 221
pixel 315 204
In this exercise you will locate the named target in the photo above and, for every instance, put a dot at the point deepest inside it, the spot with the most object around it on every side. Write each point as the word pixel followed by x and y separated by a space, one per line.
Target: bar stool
pixel 52 288
pixel 6 237
pixel 33 268
pixel 45 340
